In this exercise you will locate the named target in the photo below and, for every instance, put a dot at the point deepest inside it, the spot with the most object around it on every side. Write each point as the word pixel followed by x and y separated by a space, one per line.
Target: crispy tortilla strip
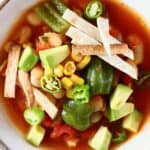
pixel 11 71
pixel 45 103
pixel 90 30
pixel 103 25
pixel 114 60
pixel 99 49
pixel 26 86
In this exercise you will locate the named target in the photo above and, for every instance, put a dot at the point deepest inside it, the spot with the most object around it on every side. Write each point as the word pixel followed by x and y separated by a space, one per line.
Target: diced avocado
pixel 28 59
pixel 53 56
pixel 125 110
pixel 120 96
pixel 36 135
pixel 101 139
pixel 132 121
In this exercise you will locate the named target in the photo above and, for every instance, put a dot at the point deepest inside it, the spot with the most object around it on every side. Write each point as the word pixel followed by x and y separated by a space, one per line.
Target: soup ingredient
pixel 50 84
pixel 77 80
pixel 45 103
pixel 98 103
pixel 77 115
pixel 132 121
pixel 26 86
pixel 28 59
pixel 69 93
pixel 77 57
pixel 126 109
pixel 24 34
pixel 66 83
pixel 69 68
pixel 93 10
pixel 116 49
pixel 59 95
pixel 36 135
pixel 59 5
pixel 81 93
pixel 120 96
pixel 58 71
pixel 51 38
pixel 62 129
pixel 144 79
pixel 101 140
pixel 90 34
pixel 121 137
pixel 114 60
pixel 11 71
pixel 103 24
pixel 51 17
pixel 34 116
pixel 72 142
pixel 35 76
pixel 99 77
pixel 33 19
pixel 96 117
pixel 54 56
pixel 84 62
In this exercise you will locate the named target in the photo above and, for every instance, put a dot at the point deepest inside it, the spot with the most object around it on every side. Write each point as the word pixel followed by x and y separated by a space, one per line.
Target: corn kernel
pixel 69 68
pixel 58 71
pixel 84 62
pixel 66 83
pixel 77 57
pixel 69 93
pixel 77 80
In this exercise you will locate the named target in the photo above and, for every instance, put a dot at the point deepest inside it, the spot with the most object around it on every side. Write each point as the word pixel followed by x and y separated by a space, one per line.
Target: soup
pixel 76 74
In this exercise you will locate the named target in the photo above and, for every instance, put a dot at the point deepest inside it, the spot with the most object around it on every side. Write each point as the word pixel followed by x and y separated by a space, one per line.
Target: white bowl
pixel 8 133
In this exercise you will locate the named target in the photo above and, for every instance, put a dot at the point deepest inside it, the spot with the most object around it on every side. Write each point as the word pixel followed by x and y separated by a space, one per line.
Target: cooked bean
pixel 33 19
pixel 96 117
pixel 24 34
pixel 35 76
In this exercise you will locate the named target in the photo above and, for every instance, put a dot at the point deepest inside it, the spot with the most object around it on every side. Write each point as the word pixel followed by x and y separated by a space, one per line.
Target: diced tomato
pixel 47 122
pixel 87 134
pixel 126 79
pixel 62 129
pixel 42 46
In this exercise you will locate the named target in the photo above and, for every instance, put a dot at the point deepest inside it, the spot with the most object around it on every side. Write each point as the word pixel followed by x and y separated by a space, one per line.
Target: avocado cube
pixel 52 57
pixel 101 139
pixel 120 96
pixel 36 135
pixel 132 121
pixel 126 109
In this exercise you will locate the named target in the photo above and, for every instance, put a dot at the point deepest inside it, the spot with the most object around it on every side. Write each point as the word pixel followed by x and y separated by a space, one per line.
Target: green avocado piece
pixel 101 140
pixel 120 96
pixel 54 56
pixel 28 59
pixel 132 121
pixel 125 110
pixel 36 135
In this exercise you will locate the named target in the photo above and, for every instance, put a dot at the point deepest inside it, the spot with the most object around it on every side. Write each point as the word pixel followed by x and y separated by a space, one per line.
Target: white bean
pixel 33 19
pixel 24 34
pixel 35 76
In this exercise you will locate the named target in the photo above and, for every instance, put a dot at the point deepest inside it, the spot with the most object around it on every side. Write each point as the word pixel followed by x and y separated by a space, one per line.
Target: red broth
pixel 128 23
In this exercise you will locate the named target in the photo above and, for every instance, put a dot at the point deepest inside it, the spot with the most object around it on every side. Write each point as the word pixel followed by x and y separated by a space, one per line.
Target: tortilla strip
pixel 90 29
pixel 99 49
pixel 45 103
pixel 114 60
pixel 103 25
pixel 11 71
pixel 26 86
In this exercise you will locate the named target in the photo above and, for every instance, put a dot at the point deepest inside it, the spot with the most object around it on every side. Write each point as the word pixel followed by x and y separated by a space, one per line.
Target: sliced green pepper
pixel 28 59
pixel 99 76
pixel 121 137
pixel 93 10
pixel 81 93
pixel 50 84
pixel 77 115
pixel 34 116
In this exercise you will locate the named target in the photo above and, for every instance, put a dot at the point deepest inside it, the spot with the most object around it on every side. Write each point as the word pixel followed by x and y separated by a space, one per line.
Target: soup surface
pixel 129 28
